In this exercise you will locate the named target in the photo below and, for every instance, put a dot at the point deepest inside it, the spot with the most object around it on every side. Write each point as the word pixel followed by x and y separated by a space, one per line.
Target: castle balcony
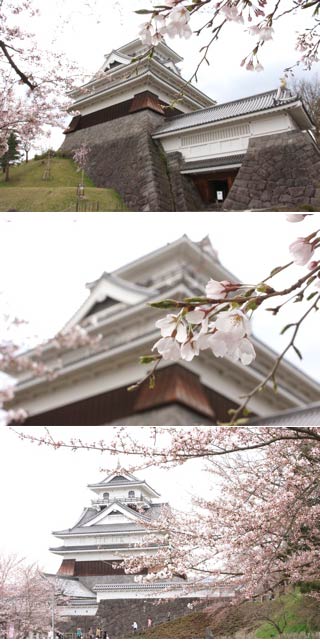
pixel 137 501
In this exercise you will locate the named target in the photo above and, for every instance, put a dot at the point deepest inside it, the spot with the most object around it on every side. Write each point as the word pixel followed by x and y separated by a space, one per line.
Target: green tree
pixel 11 155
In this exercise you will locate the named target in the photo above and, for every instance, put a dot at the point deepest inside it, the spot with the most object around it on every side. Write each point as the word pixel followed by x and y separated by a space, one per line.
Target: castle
pixel 165 146
pixel 99 593
pixel 92 386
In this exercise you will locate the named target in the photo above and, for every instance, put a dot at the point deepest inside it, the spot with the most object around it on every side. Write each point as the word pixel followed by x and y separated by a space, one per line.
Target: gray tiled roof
pixel 243 106
pixel 308 416
pixel 213 162
pixel 107 546
pixel 152 513
pixel 96 529
pixel 71 586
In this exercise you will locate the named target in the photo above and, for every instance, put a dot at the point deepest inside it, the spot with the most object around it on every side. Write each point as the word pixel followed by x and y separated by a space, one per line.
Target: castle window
pixel 106 496
pixel 131 494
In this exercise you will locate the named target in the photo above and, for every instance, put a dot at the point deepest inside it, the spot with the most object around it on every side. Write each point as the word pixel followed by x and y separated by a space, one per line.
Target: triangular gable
pixel 115 57
pixel 102 517
pixel 121 474
pixel 109 290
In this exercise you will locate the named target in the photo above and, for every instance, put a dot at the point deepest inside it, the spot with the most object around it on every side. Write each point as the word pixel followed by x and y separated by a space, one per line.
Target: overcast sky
pixel 44 490
pixel 46 260
pixel 87 36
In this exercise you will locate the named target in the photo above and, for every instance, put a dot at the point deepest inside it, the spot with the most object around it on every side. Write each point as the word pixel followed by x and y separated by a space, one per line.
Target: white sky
pixel 44 490
pixel 88 36
pixel 46 259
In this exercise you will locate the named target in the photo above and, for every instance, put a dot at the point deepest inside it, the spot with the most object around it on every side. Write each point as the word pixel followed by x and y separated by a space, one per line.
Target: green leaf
pixel 165 304
pixel 284 329
pixel 250 306
pixel 297 351
pixel 312 295
pixel 275 271
pixel 143 11
pixel 196 299
pixel 152 381
pixel 148 358
pixel 265 289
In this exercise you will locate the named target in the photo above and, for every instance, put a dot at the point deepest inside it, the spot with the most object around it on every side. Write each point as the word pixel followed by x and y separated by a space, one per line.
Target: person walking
pixel 134 627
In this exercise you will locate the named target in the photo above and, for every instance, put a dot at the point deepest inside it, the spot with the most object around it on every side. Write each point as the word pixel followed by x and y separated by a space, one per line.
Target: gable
pixel 114 513
pixel 114 60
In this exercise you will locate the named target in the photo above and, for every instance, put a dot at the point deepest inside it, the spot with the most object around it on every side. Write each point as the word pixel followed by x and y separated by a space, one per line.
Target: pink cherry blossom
pixel 168 348
pixel 301 251
pixel 295 218
pixel 234 322
pixel 172 324
pixel 216 289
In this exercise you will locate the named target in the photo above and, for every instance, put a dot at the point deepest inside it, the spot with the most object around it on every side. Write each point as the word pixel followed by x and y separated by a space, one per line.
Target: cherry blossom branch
pixel 18 71
pixel 221 320
pixel 271 375
pixel 174 17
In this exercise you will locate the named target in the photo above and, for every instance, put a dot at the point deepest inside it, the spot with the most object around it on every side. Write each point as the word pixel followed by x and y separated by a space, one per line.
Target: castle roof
pixel 298 417
pixel 266 101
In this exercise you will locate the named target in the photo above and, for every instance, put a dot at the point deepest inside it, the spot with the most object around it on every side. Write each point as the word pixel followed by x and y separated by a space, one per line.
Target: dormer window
pixel 113 64
pixel 131 494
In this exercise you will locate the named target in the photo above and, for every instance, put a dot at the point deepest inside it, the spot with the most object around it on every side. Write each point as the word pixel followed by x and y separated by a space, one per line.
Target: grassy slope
pixel 27 191
pixel 299 613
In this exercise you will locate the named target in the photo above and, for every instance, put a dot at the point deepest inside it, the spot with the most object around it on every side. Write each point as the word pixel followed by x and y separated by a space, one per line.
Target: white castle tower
pixel 112 529
pixel 99 594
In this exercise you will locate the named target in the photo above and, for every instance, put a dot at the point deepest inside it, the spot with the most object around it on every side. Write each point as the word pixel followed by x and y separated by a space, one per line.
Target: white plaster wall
pixel 103 539
pixel 161 593
pixel 214 141
pixel 126 94
pixel 105 555
pixel 83 611
pixel 118 492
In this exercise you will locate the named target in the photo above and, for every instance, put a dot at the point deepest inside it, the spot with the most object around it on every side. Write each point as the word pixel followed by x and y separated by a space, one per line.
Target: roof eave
pixel 246 116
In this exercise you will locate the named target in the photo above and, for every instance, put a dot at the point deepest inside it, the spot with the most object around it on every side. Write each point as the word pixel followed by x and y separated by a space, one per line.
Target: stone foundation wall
pixel 185 194
pixel 116 616
pixel 125 157
pixel 281 170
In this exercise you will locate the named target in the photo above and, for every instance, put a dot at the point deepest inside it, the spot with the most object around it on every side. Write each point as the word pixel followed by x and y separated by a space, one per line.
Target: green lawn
pixel 27 191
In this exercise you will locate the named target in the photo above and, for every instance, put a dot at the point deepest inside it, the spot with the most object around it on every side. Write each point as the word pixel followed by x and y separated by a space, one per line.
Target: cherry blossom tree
pixel 259 532
pixel 27 599
pixel 259 19
pixel 81 157
pixel 21 353
pixel 256 531
pixel 33 82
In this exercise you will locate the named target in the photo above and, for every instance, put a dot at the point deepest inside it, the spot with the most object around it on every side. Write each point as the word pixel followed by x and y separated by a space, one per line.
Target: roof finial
pixel 118 464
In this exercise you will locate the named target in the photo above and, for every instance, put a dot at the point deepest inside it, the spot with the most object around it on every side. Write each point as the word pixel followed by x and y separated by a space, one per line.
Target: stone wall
pixel 185 194
pixel 125 157
pixel 280 170
pixel 116 616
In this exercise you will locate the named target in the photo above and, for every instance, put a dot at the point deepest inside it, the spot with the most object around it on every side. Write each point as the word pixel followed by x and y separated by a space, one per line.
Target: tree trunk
pixel 27 156
pixel 7 172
